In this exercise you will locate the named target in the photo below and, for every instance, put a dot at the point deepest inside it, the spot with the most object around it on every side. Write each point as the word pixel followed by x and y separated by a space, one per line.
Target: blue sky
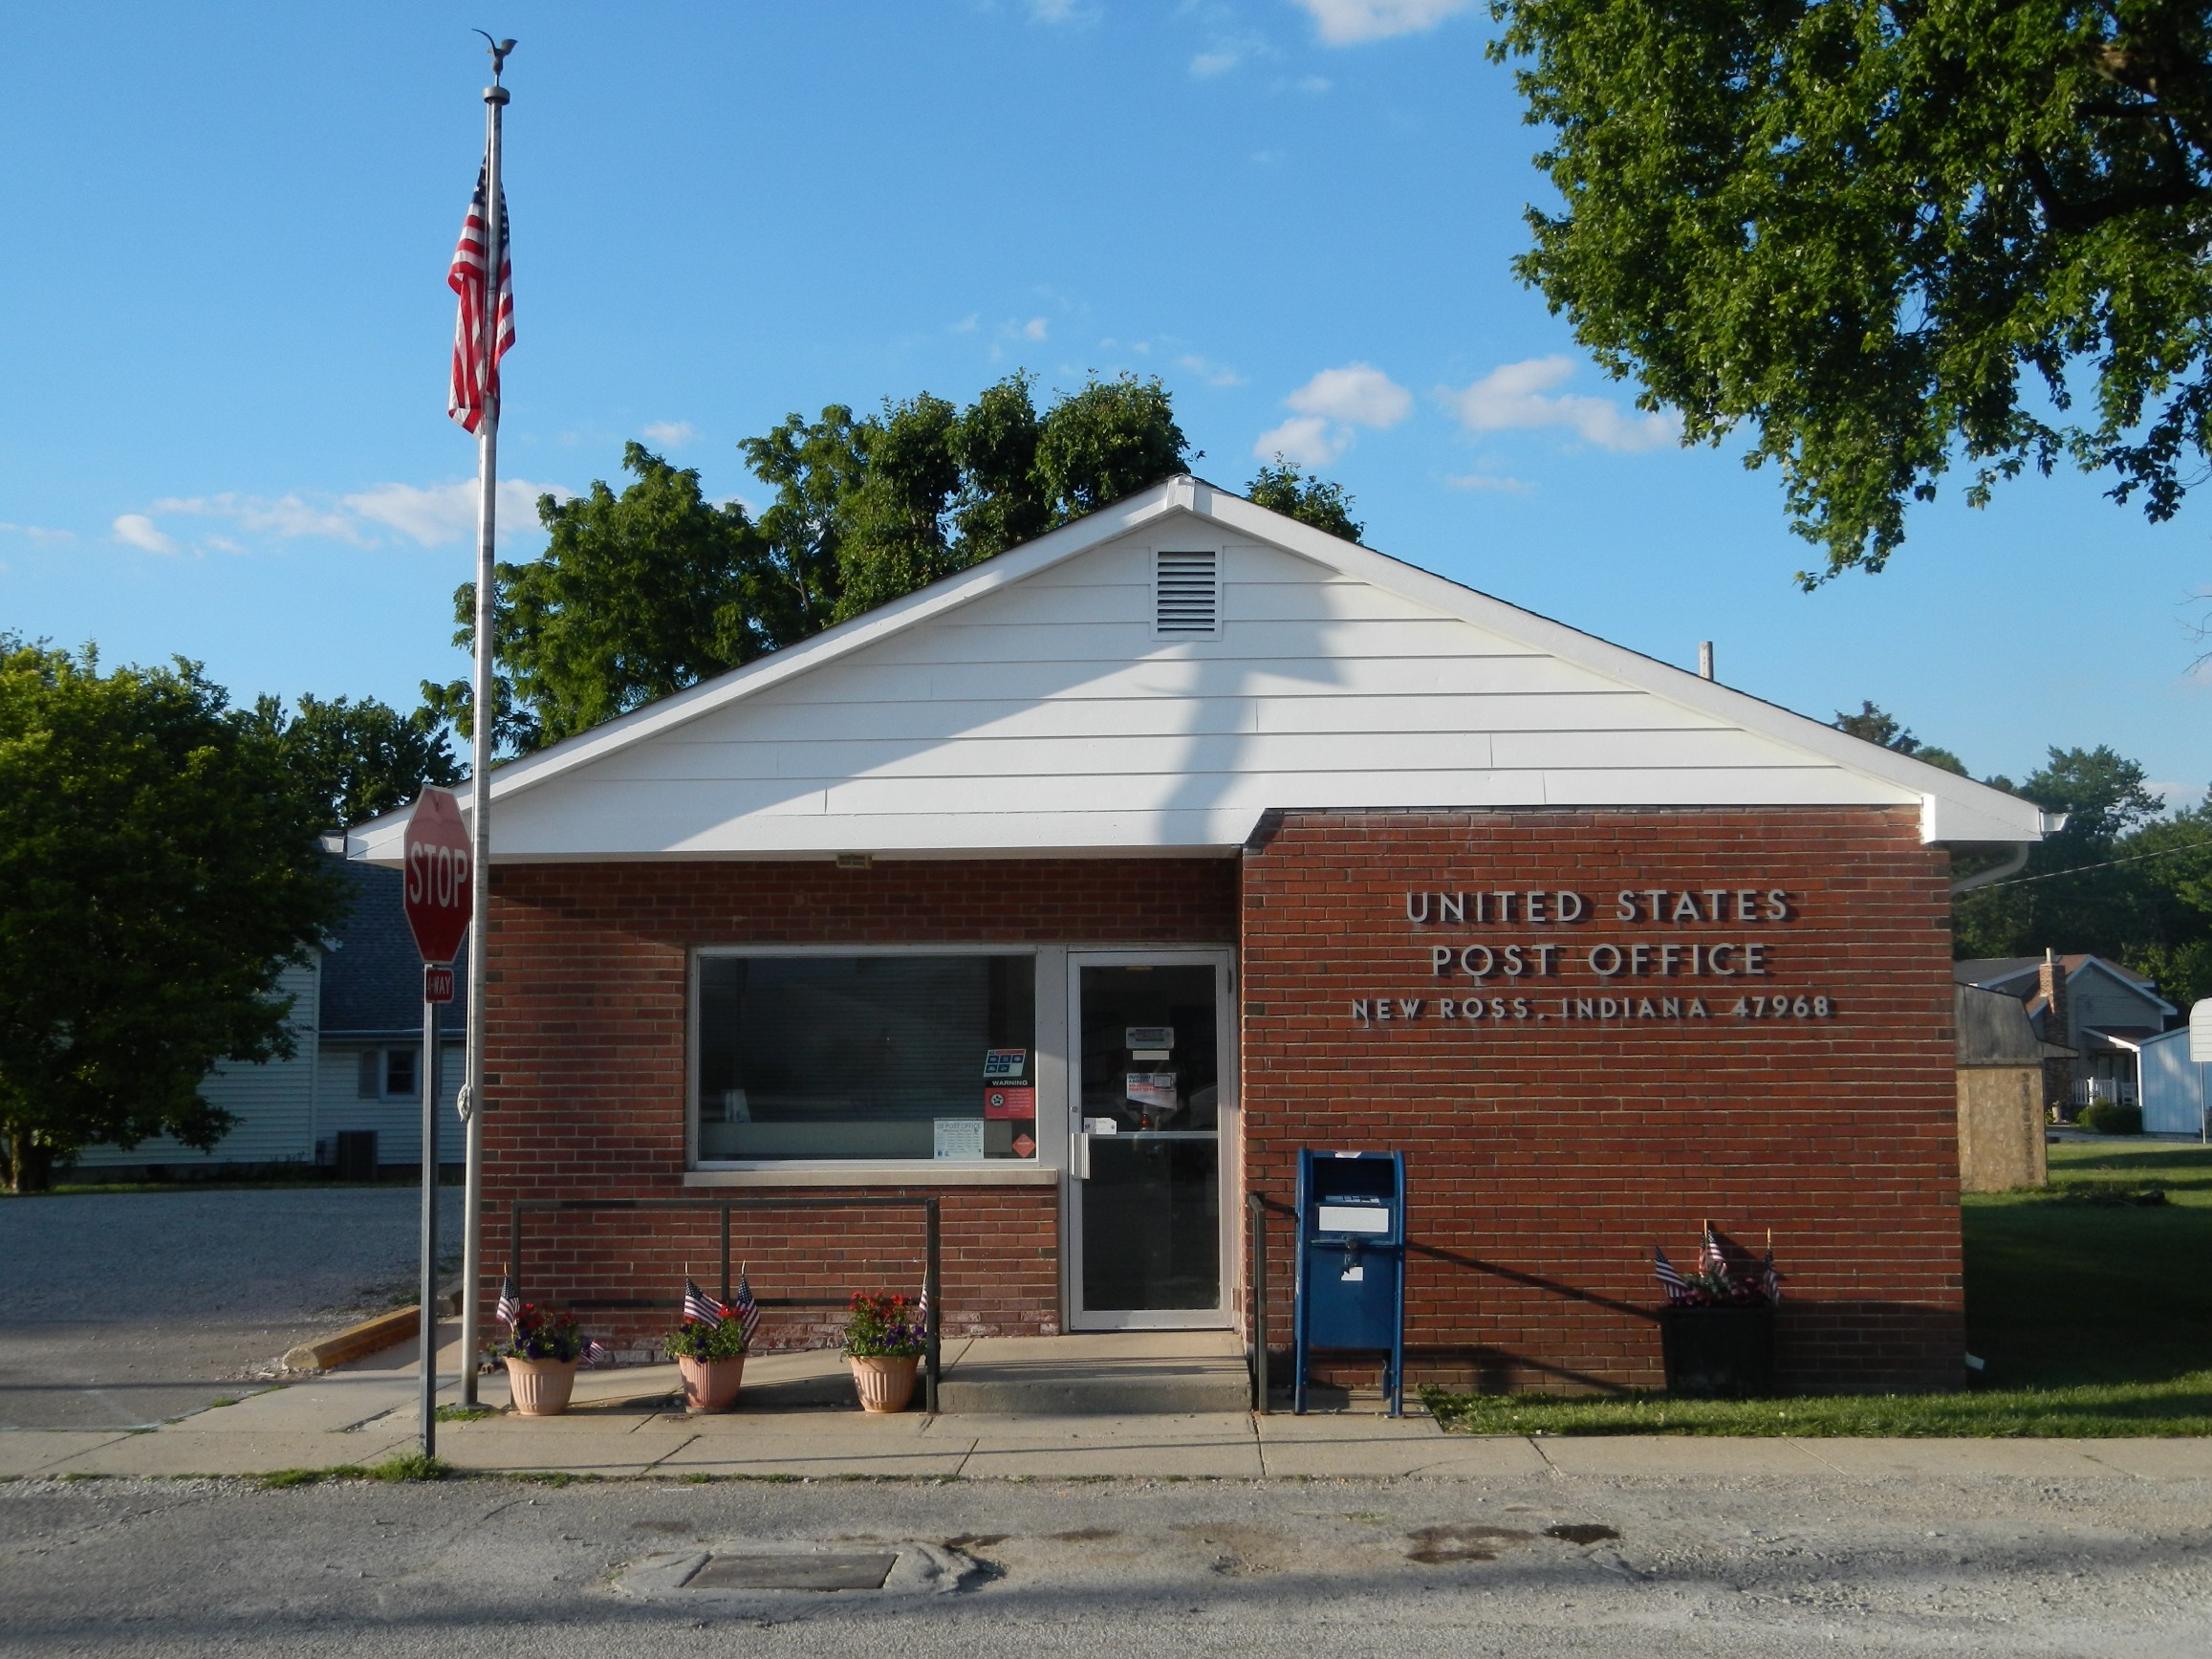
pixel 227 327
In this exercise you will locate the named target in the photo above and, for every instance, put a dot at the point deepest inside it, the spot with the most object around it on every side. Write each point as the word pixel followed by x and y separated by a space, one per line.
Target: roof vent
pixel 1186 595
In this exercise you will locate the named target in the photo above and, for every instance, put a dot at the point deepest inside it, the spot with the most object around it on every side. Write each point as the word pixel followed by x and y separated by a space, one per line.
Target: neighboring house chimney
pixel 2058 1074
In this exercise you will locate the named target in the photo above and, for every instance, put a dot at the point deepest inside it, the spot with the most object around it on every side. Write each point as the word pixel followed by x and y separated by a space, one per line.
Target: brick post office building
pixel 1086 886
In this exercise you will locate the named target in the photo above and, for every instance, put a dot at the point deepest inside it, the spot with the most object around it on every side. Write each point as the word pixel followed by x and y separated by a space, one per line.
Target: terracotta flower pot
pixel 886 1382
pixel 710 1385
pixel 541 1387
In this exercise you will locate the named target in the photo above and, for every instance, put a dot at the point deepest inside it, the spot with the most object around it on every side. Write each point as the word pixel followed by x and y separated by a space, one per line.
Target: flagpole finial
pixel 499 50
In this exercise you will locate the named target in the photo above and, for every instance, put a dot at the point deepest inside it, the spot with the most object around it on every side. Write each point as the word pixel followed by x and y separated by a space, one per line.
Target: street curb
pixel 370 1337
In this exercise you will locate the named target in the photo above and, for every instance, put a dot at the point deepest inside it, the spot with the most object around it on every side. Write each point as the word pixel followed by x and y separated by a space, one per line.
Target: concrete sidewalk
pixel 798 1423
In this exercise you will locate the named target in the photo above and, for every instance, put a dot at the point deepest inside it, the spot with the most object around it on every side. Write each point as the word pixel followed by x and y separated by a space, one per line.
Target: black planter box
pixel 1718 1353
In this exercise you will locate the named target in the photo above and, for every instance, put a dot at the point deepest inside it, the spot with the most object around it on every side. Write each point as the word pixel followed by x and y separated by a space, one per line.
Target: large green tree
pixel 159 868
pixel 642 594
pixel 360 757
pixel 635 596
pixel 1889 234
pixel 2074 894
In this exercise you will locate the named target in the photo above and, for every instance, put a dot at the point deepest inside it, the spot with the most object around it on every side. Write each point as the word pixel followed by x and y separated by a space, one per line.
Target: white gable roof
pixel 1027 705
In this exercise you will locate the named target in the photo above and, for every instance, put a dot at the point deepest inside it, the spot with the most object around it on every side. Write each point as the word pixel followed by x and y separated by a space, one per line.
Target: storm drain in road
pixel 793 1572
pixel 741 1569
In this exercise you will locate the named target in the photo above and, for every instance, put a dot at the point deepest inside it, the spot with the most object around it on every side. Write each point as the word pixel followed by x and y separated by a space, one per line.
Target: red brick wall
pixel 585 1071
pixel 1548 1156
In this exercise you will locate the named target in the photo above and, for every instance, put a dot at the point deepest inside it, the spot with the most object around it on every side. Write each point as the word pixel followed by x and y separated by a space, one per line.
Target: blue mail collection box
pixel 1352 1263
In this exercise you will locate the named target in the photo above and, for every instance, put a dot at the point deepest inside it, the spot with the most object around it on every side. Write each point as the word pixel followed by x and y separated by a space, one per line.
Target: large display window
pixel 884 1055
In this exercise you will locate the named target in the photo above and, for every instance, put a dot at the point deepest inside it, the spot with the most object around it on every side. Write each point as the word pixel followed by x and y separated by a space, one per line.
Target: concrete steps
pixel 1120 1373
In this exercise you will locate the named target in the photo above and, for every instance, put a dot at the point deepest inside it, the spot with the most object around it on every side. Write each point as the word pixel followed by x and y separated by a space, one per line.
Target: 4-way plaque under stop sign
pixel 439 891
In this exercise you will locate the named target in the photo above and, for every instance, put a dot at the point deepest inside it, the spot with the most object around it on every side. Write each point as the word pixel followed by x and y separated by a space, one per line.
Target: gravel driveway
pixel 126 1308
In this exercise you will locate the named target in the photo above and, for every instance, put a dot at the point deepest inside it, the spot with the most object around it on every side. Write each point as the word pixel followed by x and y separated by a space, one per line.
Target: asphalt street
pixel 126 1308
pixel 1546 1565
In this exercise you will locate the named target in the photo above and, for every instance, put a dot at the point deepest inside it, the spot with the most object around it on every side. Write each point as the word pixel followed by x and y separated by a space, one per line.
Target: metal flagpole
pixel 426 1333
pixel 483 720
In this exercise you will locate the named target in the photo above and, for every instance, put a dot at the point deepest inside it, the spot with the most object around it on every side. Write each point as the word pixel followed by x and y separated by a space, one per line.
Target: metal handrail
pixel 932 1291
pixel 1257 1206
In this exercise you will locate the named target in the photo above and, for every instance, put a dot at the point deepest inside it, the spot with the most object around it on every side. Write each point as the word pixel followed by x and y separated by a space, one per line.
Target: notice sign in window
pixel 1352 1218
pixel 959 1137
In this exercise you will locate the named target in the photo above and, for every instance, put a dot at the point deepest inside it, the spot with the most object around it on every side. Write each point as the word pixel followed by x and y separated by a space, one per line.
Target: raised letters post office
pixel 1083 888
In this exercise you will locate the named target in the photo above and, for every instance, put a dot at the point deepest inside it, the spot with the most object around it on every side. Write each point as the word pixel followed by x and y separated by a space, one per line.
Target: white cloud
pixel 1328 406
pixel 669 433
pixel 968 324
pixel 1358 394
pixel 446 512
pixel 1349 22
pixel 433 516
pixel 1034 329
pixel 136 530
pixel 1212 373
pixel 1306 439
pixel 1517 398
pixel 1313 83
pixel 282 515
pixel 1491 481
pixel 38 532
pixel 1059 10
pixel 1220 61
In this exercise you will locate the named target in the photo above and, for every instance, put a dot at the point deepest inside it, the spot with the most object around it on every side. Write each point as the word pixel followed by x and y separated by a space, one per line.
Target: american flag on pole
pixel 1770 1280
pixel 1669 1274
pixel 745 1309
pixel 596 1352
pixel 476 380
pixel 1711 1260
pixel 510 1301
pixel 699 1305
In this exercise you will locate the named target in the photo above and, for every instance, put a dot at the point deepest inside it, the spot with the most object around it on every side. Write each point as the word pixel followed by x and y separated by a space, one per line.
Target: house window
pixel 877 1056
pixel 387 1073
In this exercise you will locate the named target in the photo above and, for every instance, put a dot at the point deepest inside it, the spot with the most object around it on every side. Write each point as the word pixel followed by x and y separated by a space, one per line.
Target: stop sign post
pixel 439 895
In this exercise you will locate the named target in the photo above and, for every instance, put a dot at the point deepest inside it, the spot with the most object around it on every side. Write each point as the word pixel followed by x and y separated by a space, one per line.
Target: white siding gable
pixel 1049 714
pixel 1035 705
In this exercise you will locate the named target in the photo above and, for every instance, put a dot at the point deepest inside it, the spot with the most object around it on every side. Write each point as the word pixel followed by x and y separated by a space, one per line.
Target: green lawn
pixel 2094 1314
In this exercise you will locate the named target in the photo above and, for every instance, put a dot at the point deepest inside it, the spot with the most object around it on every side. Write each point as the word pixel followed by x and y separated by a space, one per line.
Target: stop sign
pixel 439 892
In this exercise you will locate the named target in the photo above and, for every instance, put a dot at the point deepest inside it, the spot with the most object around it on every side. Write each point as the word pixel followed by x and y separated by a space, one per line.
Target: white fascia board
pixel 1952 808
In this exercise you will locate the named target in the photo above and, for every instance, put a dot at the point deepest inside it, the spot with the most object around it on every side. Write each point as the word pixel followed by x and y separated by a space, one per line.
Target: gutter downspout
pixel 2012 866
pixel 2053 823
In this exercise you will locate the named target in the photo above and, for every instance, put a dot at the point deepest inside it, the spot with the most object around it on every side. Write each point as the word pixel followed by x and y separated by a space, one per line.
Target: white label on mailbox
pixel 1348 1218
pixel 1355 1275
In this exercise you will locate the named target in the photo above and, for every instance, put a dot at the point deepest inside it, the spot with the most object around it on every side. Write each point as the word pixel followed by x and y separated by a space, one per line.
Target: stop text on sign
pixel 438 876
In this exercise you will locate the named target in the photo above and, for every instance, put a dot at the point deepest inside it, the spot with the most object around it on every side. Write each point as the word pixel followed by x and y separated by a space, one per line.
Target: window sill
pixel 988 1172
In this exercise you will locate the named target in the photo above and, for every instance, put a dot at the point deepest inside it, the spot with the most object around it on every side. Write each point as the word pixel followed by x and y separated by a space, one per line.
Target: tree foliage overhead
pixel 1888 233
pixel 158 869
pixel 642 594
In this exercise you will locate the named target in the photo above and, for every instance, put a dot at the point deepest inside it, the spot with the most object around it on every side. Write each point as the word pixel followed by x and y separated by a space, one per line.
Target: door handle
pixel 1079 1161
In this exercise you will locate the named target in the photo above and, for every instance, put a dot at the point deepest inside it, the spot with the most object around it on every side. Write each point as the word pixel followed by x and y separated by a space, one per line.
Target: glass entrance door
pixel 1152 1089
